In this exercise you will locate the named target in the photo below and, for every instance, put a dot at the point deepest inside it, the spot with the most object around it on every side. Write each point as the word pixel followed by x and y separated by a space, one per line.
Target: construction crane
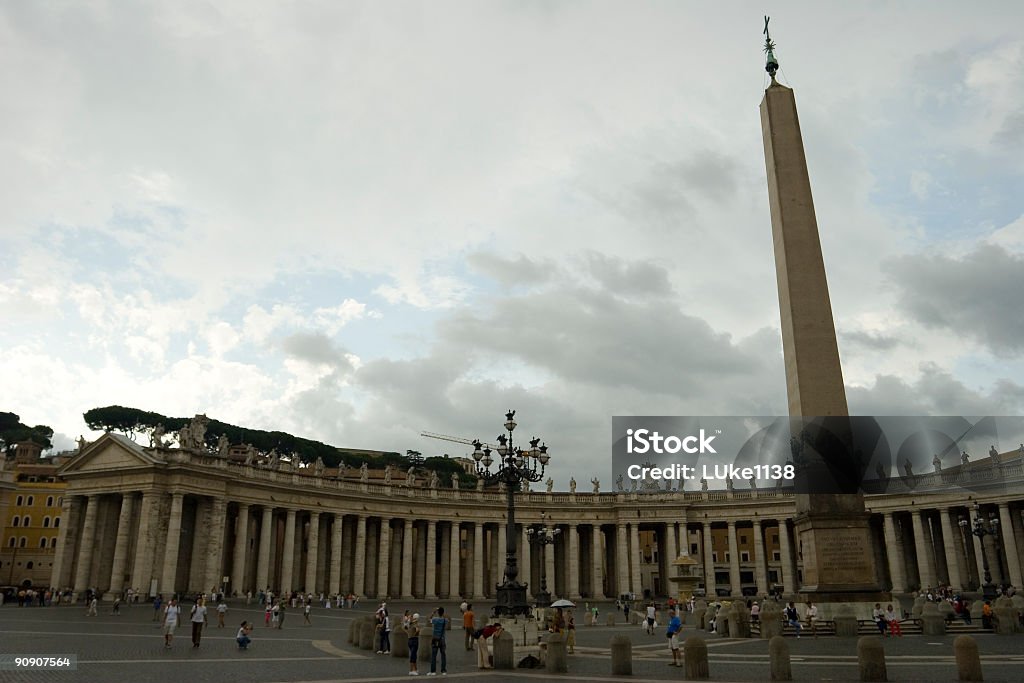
pixel 458 439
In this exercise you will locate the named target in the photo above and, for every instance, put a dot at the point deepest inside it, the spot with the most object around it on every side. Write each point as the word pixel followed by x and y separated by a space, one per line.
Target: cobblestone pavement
pixel 130 647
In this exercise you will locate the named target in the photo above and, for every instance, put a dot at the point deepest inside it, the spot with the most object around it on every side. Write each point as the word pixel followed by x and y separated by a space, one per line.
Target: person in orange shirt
pixel 468 625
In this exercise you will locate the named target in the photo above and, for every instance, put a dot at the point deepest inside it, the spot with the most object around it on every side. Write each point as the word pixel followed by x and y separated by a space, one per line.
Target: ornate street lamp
pixel 541 537
pixel 982 528
pixel 515 466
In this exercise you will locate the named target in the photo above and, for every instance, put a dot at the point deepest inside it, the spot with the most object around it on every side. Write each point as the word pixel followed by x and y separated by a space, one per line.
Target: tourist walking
pixel 468 624
pixel 172 613
pixel 198 619
pixel 652 615
pixel 675 625
pixel 280 614
pixel 222 610
pixel 305 613
pixel 570 633
pixel 93 603
pixel 157 602
pixel 438 623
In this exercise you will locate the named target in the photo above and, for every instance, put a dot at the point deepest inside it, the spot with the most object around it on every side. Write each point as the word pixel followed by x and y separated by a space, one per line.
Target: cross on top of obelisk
pixel 771 64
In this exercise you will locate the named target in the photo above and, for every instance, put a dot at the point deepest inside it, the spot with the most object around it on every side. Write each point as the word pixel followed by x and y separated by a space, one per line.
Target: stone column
pixel 263 560
pixel 760 561
pixel 454 560
pixel 82 577
pixel 710 587
pixel 215 543
pixel 894 549
pixel 384 561
pixel 408 559
pixel 735 588
pixel 634 559
pixel 170 572
pixel 337 527
pixel 788 573
pixel 359 565
pixel 671 552
pixel 478 561
pixel 124 528
pixel 64 541
pixel 951 549
pixel 525 561
pixel 597 577
pixel 549 567
pixel 500 555
pixel 621 559
pixel 313 543
pixel 241 544
pixel 925 568
pixel 1010 545
pixel 430 588
pixel 142 567
pixel 574 563
pixel 288 559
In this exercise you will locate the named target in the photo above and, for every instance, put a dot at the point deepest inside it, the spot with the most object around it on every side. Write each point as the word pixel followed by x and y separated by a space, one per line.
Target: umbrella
pixel 562 603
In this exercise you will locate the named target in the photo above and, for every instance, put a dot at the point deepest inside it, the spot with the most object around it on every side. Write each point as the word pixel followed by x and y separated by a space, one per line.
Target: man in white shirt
pixel 198 621
pixel 651 617
pixel 171 614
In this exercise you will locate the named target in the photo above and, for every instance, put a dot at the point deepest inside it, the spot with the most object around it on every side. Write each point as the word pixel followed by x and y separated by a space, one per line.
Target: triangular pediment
pixel 110 452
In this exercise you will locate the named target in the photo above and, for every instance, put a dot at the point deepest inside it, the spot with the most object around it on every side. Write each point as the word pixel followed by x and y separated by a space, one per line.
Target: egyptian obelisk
pixel 832 528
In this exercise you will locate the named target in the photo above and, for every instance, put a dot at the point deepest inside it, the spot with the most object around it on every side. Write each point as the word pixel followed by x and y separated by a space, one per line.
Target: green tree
pixel 12 431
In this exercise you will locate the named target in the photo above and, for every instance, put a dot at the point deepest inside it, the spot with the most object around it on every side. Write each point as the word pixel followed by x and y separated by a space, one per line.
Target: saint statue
pixel 364 473
pixel 880 471
pixel 434 479
pixel 964 458
pixel 550 484
pixel 597 484
pixel 318 467
pixel 274 459
pixel 703 484
pixel 572 484
pixel 455 481
pixel 185 436
pixel 937 463
pixel 729 483
pixel 908 467
pixel 618 483
pixel 222 446
pixel 198 430
pixel 387 475
pixel 81 442
pixel 250 454
pixel 993 453
pixel 410 477
pixel 156 439
pixel 342 469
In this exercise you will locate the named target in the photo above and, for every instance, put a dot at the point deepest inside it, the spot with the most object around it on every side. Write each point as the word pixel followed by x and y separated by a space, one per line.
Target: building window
pixel 693 549
pixel 743 539
pixel 56 522
pixel 42 542
pixel 15 521
pixel 23 543
pixel 29 565
pixel 17 501
pixel 27 521
pixel 10 542
pixel 31 500
pixel 744 556
pixel 60 502
pixel 46 522
pixel 53 542
pixel 49 501
pixel 776 555
pixel 714 556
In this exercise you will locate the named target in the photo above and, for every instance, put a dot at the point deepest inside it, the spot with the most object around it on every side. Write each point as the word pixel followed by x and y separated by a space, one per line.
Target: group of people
pixel 295 599
pixel 410 624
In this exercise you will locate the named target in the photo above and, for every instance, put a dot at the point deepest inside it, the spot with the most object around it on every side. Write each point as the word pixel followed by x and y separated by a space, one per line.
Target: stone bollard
pixel 353 631
pixel 1005 621
pixel 695 659
pixel 846 622
pixel 976 608
pixel 698 617
pixel 778 654
pixel 739 620
pixel 634 618
pixel 399 643
pixel 557 662
pixel 611 619
pixel 968 662
pixel 366 635
pixel 771 620
pixel 377 633
pixel 932 623
pixel 504 656
pixel 947 611
pixel 871 659
pixel 622 656
pixel 919 602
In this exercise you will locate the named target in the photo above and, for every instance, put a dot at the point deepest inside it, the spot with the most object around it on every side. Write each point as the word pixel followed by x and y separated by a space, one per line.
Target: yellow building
pixel 31 519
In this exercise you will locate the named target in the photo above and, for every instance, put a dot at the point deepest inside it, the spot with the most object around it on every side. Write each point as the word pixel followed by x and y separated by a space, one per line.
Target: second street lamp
pixel 982 528
pixel 544 536
pixel 515 466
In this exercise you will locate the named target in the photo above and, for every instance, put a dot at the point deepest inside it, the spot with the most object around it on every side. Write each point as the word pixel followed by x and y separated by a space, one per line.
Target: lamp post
pixel 982 528
pixel 515 466
pixel 541 537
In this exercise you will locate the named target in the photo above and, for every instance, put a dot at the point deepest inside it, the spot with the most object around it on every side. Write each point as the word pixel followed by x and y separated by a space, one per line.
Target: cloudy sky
pixel 358 221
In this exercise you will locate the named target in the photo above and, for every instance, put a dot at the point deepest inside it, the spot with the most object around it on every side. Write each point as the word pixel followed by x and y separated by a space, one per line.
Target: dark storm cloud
pixel 977 295
pixel 509 272
pixel 936 392
pixel 629 278
pixel 315 347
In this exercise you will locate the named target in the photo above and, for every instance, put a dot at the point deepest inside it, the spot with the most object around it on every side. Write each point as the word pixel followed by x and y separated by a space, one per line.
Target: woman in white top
pixel 812 617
